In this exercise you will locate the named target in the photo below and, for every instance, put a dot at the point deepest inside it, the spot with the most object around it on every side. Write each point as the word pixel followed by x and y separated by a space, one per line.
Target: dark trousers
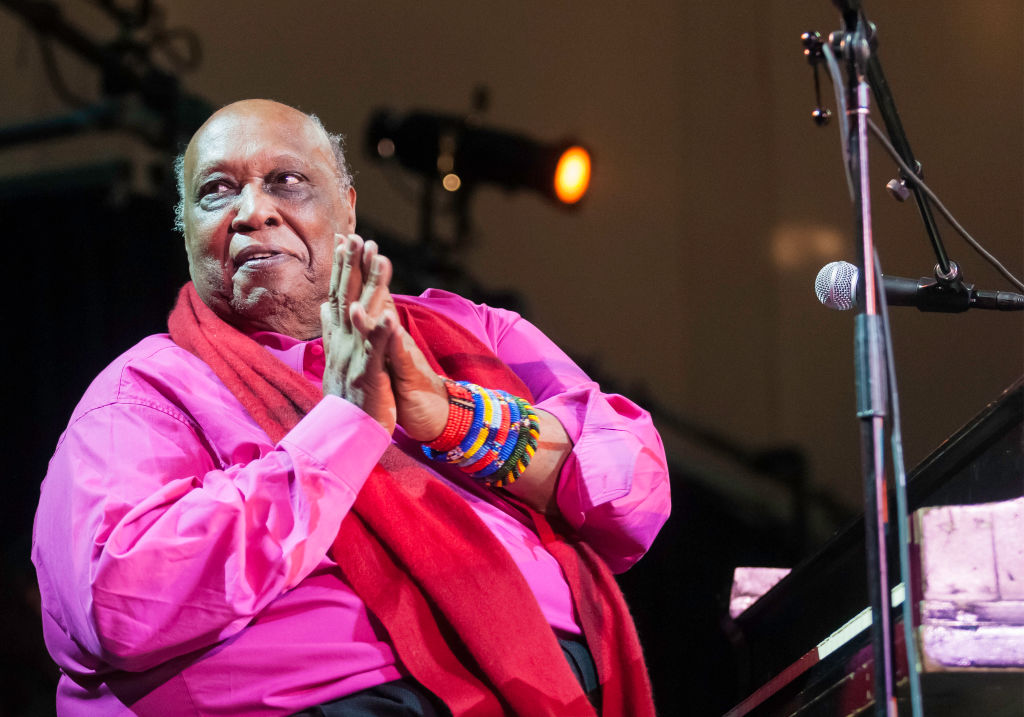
pixel 407 698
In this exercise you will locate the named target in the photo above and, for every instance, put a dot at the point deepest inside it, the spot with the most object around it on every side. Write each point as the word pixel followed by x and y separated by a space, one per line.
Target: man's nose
pixel 256 208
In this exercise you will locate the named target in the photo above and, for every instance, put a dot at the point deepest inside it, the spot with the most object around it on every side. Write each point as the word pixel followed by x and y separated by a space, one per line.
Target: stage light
pixel 572 175
pixel 463 154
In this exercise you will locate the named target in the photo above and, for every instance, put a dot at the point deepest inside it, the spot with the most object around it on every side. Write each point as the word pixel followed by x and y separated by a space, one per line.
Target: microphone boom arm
pixel 946 271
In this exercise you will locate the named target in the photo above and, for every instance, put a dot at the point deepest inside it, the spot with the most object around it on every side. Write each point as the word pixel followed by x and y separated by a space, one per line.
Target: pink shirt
pixel 182 557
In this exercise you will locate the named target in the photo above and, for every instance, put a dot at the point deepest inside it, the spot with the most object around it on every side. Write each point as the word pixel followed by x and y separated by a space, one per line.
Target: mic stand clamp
pixel 898 188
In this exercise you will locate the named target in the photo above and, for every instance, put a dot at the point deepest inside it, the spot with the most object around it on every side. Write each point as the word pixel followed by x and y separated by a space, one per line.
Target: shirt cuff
pixel 342 438
pixel 605 445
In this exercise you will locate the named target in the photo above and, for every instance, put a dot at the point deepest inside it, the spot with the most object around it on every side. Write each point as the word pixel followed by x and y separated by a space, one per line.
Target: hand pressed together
pixel 371 359
pixel 373 362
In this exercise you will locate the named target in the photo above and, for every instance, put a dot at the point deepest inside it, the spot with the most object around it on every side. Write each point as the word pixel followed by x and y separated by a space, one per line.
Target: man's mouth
pixel 256 256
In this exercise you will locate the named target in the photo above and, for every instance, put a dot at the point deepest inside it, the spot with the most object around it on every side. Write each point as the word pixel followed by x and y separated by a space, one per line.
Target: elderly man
pixel 313 497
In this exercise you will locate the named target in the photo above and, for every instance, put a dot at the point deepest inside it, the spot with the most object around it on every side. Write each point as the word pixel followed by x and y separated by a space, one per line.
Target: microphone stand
pixel 870 360
pixel 856 44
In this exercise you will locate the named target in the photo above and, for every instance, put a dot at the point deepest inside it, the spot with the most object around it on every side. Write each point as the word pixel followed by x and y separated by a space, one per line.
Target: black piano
pixel 795 658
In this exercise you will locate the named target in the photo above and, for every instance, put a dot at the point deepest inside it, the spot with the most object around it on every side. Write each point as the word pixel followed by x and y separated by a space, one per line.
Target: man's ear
pixel 350 198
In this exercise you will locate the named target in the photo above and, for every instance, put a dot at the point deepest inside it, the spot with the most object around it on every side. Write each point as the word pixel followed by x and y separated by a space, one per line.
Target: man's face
pixel 262 204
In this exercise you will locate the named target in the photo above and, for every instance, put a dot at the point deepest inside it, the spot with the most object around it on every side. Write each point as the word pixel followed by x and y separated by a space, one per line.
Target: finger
pixel 336 264
pixel 352 277
pixel 370 251
pixel 372 278
pixel 367 324
pixel 377 293
pixel 327 314
pixel 359 319
pixel 378 338
pixel 351 280
pixel 396 343
pixel 370 274
pixel 375 337
pixel 408 365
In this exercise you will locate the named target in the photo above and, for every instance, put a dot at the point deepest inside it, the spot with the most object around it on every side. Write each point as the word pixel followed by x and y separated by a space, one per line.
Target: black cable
pixel 902 508
pixel 911 176
pixel 908 173
pixel 844 121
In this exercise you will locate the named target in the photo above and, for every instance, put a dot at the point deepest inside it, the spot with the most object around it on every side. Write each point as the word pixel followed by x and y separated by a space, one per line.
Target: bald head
pixel 263 193
pixel 335 141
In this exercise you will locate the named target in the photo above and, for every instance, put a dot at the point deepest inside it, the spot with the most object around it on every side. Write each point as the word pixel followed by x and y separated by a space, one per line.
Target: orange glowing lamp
pixel 572 175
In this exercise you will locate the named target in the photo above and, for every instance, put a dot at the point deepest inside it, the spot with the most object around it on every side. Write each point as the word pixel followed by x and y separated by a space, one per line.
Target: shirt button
pixel 317 350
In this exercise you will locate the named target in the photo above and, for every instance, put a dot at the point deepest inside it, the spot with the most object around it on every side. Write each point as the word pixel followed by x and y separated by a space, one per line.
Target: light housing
pixel 464 154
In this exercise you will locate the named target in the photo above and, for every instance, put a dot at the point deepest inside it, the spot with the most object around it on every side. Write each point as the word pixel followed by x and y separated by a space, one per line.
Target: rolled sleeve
pixel 614 487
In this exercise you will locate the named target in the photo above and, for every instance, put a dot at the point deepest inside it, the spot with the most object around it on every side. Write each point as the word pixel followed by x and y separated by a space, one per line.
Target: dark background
pixel 684 279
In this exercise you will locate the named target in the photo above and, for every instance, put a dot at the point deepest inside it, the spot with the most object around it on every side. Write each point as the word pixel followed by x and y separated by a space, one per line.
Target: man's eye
pixel 289 178
pixel 216 186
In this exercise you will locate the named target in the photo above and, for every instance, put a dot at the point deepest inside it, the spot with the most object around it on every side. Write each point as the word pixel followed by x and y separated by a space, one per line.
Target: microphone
pixel 838 287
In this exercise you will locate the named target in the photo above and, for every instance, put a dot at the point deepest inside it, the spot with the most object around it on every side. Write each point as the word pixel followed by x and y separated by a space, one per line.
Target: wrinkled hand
pixel 370 359
pixel 359 322
pixel 420 395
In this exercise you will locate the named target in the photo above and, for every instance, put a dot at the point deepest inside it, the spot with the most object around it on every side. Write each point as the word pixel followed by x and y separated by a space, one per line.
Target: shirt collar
pixel 298 354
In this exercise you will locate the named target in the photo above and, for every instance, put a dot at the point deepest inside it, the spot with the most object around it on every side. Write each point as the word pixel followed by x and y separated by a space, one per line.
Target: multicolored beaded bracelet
pixel 479 453
pixel 488 428
pixel 504 444
pixel 526 446
pixel 488 453
pixel 489 434
pixel 460 418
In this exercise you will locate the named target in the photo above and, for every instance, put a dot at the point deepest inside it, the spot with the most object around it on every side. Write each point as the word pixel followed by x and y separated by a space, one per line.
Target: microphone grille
pixel 835 285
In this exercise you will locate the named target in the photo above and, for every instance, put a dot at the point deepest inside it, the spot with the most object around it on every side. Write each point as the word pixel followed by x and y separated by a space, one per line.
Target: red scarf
pixel 458 612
